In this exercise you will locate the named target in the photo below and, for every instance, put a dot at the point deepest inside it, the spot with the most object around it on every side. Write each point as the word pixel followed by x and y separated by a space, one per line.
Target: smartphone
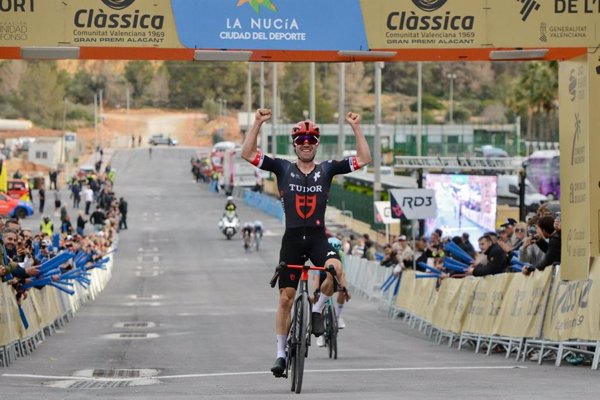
pixel 557 216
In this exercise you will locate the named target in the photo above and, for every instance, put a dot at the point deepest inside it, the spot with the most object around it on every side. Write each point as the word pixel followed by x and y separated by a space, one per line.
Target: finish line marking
pixel 224 374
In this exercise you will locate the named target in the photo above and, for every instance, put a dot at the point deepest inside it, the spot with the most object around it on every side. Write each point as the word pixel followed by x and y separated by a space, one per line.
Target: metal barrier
pixel 367 278
pixel 22 345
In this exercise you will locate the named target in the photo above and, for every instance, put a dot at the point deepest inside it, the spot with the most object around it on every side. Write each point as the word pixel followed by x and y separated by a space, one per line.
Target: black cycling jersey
pixel 304 197
pixel 247 231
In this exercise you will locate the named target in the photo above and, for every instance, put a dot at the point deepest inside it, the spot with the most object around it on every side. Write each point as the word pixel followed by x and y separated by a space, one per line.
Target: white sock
pixel 320 304
pixel 338 309
pixel 281 341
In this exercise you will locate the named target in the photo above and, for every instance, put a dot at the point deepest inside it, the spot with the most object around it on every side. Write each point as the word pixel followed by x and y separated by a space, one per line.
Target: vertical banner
pixel 588 316
pixel 567 309
pixel 574 168
pixel 522 311
pixel 465 300
pixel 383 213
pixel 449 295
pixel 407 294
pixel 593 99
pixel 486 305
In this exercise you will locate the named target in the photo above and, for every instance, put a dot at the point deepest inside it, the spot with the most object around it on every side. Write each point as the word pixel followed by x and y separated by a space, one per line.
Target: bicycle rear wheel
pixel 302 315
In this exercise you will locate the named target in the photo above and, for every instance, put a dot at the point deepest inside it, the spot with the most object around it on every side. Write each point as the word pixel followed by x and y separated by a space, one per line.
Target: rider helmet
pixel 306 128
pixel 335 243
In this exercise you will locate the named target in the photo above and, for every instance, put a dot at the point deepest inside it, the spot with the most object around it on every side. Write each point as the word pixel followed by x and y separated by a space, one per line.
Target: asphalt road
pixel 207 312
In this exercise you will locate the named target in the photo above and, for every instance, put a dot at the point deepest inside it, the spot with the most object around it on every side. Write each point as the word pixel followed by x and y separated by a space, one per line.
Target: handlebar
pixel 330 269
pixel 275 277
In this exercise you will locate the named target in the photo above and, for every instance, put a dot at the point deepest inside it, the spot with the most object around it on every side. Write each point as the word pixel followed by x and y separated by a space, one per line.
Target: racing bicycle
pixel 247 241
pixel 257 238
pixel 300 329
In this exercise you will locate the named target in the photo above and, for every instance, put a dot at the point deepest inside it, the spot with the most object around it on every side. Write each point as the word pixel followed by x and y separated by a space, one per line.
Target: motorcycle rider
pixel 229 218
pixel 230 206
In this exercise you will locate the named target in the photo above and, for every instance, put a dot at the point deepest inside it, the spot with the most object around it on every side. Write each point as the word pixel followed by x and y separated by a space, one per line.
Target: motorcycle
pixel 229 224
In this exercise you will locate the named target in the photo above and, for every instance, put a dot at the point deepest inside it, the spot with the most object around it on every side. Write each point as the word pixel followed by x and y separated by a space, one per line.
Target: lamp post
pixel 452 77
pixel 377 140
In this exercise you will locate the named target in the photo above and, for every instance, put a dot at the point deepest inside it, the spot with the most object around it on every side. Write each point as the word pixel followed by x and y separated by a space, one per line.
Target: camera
pixel 532 232
pixel 557 216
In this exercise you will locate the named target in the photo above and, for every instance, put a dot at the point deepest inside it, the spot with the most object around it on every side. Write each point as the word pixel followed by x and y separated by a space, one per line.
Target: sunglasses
pixel 299 140
pixel 519 230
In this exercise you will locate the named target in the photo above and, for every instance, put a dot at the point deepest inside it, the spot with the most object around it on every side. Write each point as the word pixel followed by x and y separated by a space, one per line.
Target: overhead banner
pixel 83 23
pixel 271 24
pixel 413 203
pixel 301 25
pixel 448 24
pixel 383 213
pixel 392 24
pixel 542 23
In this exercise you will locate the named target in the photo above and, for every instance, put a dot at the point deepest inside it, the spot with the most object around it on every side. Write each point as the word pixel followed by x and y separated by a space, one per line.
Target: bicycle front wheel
pixel 302 315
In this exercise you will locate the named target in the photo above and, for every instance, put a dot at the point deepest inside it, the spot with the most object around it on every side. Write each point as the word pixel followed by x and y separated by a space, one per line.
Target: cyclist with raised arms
pixel 304 187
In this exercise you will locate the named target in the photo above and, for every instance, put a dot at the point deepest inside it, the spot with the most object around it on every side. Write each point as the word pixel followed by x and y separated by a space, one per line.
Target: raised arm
pixel 363 152
pixel 249 148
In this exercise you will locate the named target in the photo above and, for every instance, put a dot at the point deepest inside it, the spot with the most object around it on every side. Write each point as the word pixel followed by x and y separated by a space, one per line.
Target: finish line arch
pixel 348 31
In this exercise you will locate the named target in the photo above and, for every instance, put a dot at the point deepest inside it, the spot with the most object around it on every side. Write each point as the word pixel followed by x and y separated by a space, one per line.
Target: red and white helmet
pixel 306 128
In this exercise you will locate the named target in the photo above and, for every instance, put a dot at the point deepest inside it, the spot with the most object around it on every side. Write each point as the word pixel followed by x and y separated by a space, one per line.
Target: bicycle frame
pixel 300 328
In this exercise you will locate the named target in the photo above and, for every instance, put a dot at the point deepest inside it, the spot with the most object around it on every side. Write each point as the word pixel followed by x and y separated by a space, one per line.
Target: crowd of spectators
pixel 515 247
pixel 25 251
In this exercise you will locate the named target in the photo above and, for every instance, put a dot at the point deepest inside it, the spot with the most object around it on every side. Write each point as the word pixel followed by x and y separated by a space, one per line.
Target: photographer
pixel 530 252
pixel 549 241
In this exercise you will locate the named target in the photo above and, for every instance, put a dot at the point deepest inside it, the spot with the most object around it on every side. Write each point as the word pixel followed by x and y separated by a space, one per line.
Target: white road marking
pixel 320 371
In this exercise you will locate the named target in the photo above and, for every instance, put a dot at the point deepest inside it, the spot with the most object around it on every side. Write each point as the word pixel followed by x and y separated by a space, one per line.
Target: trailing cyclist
pixel 258 233
pixel 341 297
pixel 304 188
pixel 247 231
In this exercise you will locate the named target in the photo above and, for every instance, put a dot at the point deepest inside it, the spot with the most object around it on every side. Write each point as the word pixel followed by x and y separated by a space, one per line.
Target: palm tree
pixel 535 94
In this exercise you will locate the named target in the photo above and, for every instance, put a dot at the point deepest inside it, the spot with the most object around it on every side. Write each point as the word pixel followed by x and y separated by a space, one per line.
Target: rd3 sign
pixel 413 203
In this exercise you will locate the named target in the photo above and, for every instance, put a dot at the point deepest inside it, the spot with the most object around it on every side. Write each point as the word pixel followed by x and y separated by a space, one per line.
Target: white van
pixel 508 193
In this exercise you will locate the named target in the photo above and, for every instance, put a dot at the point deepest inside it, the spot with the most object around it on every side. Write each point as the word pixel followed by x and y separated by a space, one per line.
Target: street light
pixel 452 77
pixel 220 101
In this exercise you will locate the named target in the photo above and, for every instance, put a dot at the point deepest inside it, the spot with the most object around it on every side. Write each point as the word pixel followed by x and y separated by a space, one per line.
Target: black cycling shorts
pixel 299 245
